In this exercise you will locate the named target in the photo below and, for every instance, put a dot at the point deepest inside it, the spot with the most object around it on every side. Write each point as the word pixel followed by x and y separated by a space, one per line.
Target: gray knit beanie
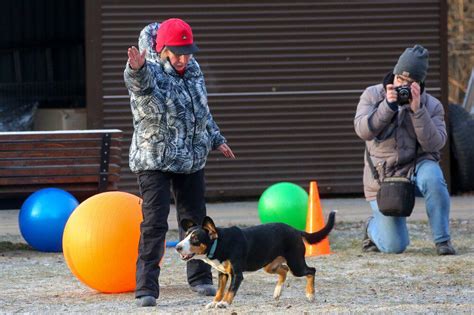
pixel 413 63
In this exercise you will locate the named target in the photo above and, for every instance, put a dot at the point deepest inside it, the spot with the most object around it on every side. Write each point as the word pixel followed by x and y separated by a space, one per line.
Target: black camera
pixel 403 94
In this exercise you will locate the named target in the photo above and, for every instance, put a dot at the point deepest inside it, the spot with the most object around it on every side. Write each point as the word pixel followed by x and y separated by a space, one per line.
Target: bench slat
pixel 54 171
pixel 61 134
pixel 82 187
pixel 49 180
pixel 80 191
pixel 88 152
pixel 75 160
pixel 51 144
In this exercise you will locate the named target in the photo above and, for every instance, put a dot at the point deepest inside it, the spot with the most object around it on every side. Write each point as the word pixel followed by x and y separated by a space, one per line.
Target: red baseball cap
pixel 177 35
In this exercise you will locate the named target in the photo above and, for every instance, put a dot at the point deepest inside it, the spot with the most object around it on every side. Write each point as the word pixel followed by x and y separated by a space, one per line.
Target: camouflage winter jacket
pixel 173 127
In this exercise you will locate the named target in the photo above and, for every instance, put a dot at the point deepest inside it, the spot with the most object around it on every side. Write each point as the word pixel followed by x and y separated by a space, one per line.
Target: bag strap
pixel 375 174
pixel 414 162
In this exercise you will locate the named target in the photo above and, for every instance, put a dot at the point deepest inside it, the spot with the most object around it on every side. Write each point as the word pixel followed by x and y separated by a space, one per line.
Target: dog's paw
pixel 222 304
pixel 310 297
pixel 211 305
pixel 277 292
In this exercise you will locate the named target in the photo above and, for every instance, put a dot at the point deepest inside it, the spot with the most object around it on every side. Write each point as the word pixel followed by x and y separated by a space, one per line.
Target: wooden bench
pixel 82 162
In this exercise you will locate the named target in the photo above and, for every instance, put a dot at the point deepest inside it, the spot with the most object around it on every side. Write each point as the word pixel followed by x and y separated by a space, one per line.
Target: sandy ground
pixel 347 281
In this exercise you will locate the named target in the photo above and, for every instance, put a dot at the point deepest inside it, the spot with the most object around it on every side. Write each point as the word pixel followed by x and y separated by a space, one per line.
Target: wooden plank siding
pixel 284 79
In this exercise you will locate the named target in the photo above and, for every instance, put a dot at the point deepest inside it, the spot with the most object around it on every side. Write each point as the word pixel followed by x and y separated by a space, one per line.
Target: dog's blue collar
pixel 213 249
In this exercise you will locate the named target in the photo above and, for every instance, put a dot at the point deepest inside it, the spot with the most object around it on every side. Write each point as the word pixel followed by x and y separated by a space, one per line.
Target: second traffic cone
pixel 315 222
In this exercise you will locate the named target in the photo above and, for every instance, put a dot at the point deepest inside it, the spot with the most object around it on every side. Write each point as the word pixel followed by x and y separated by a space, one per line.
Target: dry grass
pixel 348 281
pixel 6 246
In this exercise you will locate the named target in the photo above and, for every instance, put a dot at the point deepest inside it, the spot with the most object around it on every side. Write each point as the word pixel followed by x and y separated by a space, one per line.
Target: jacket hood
pixel 147 41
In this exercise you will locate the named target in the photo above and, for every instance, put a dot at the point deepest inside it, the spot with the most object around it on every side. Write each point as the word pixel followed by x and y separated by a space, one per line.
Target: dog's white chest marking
pixel 216 264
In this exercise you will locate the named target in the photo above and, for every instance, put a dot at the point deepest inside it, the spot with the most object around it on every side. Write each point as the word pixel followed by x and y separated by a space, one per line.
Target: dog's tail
pixel 318 236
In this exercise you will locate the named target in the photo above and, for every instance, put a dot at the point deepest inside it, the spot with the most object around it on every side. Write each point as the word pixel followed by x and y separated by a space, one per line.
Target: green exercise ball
pixel 286 203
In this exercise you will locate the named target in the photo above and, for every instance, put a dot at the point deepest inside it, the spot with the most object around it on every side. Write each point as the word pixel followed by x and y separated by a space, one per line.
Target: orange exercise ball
pixel 100 241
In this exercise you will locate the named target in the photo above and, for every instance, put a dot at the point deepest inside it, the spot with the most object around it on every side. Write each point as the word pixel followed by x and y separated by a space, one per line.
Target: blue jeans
pixel 390 234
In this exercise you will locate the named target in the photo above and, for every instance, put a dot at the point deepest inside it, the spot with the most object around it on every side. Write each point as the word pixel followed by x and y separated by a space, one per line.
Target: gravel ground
pixel 347 281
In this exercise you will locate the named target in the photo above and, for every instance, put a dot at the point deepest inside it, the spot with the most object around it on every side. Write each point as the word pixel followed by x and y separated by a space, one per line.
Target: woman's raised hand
pixel 136 60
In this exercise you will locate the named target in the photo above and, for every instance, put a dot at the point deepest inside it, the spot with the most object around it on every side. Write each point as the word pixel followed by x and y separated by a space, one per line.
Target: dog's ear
pixel 210 227
pixel 187 223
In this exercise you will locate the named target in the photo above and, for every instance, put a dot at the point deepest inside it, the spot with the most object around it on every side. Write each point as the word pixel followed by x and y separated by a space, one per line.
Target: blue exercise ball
pixel 43 216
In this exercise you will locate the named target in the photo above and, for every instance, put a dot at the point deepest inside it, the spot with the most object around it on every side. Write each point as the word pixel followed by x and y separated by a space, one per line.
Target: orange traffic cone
pixel 315 222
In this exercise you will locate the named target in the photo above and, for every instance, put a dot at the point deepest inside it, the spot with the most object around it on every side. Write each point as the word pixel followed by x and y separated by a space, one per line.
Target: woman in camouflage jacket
pixel 173 134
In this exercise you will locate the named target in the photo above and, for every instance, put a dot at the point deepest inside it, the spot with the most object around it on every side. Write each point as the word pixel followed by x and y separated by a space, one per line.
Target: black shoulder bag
pixel 396 196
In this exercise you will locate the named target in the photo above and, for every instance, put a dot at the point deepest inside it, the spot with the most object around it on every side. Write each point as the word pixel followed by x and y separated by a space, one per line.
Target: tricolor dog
pixel 276 247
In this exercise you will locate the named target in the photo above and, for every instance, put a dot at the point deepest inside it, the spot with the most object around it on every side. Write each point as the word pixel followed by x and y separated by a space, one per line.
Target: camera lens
pixel 404 95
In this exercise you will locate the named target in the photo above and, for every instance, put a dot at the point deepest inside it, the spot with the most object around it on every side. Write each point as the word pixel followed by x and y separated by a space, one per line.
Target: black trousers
pixel 188 191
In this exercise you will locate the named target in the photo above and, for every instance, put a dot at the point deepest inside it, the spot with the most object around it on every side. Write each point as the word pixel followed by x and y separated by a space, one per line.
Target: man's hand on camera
pixel 415 97
pixel 391 94
pixel 135 59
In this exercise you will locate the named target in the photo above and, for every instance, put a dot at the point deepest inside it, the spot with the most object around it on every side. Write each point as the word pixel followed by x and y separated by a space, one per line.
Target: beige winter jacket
pixel 391 137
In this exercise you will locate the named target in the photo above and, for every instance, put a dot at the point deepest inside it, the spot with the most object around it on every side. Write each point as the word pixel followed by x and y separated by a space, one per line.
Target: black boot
pixel 445 248
pixel 146 300
pixel 367 244
pixel 204 289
